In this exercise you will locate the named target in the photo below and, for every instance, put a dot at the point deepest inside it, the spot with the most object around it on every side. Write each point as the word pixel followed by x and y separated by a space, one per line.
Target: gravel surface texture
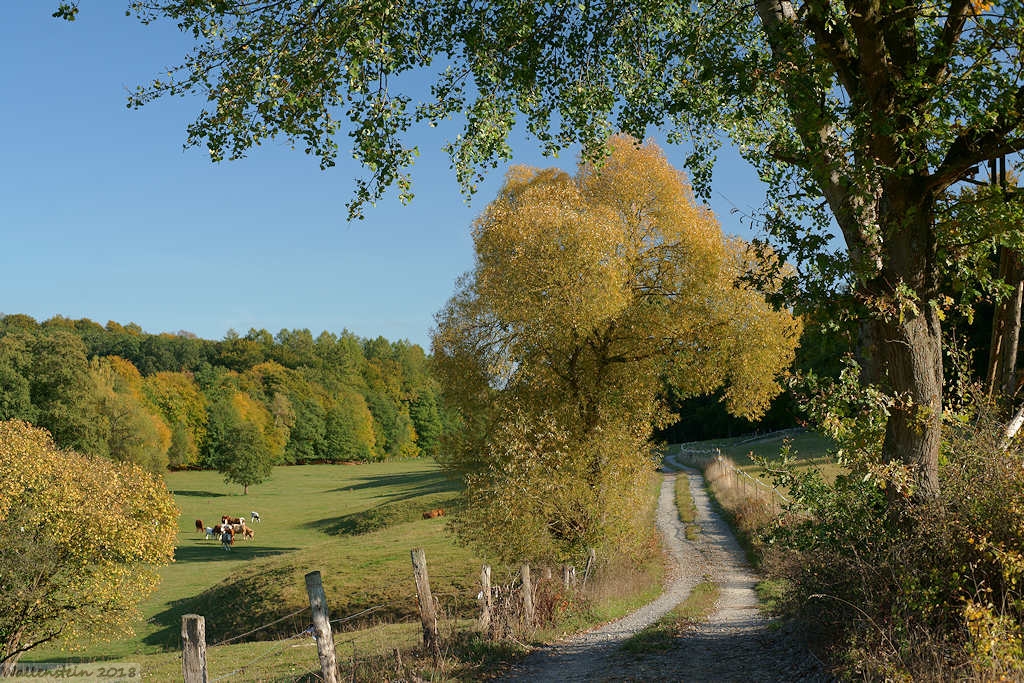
pixel 736 643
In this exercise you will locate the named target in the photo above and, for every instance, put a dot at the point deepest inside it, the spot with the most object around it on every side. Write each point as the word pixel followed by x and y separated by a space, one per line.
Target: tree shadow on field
pixel 394 512
pixel 238 604
pixel 409 484
pixel 211 551
pixel 199 494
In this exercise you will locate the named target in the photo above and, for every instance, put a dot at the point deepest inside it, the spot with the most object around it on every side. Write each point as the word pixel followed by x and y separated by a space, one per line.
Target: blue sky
pixel 103 215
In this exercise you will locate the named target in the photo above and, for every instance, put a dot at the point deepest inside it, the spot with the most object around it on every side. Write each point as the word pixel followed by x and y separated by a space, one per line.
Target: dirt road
pixel 735 644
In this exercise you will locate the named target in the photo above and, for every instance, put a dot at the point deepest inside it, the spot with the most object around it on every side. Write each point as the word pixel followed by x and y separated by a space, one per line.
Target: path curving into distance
pixel 734 644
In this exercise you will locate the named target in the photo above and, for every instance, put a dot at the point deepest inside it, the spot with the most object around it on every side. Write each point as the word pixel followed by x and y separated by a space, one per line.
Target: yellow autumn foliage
pixel 178 399
pixel 81 538
pixel 589 291
pixel 132 427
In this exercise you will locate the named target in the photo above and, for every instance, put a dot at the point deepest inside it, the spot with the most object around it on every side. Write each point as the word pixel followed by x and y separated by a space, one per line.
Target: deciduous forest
pixel 240 404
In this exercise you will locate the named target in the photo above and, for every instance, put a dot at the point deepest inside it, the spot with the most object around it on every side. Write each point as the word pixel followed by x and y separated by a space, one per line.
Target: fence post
pixel 524 573
pixel 591 561
pixel 485 583
pixel 427 613
pixel 322 627
pixel 193 644
pixel 568 576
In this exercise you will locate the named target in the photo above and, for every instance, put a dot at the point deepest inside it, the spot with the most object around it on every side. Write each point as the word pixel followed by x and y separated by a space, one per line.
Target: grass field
pixel 356 525
pixel 808 448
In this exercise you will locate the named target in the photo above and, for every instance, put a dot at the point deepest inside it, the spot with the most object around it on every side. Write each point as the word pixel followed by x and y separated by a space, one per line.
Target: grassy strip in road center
pixel 661 634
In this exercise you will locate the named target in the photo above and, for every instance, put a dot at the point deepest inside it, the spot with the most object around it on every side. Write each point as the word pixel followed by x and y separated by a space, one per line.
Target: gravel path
pixel 735 644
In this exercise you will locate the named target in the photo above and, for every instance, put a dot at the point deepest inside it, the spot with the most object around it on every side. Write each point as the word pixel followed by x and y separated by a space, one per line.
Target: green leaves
pixel 68 11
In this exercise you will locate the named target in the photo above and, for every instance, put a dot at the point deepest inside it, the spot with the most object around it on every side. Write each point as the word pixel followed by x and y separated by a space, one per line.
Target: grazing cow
pixel 434 513
pixel 255 516
pixel 210 533
pixel 248 533
pixel 227 538
pixel 199 526
pixel 231 520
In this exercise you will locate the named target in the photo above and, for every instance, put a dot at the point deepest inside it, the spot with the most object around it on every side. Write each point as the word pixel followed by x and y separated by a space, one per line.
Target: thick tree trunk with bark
pixel 906 335
pixel 911 358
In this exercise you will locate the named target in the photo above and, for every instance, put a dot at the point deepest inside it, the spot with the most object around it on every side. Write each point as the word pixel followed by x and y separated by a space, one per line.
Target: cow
pixel 248 533
pixel 439 512
pixel 210 532
pixel 231 520
pixel 199 526
pixel 255 516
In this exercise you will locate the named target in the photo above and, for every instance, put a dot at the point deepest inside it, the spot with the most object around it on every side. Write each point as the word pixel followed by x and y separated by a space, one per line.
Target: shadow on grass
pixel 235 606
pixel 382 516
pixel 212 551
pixel 199 494
pixel 410 484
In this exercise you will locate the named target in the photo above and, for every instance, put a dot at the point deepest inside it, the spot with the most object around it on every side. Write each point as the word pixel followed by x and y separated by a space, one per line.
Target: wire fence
pixel 278 645
pixel 718 466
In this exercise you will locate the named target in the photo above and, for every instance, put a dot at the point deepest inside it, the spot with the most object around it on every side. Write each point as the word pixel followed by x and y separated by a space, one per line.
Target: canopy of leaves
pixel 322 399
pixel 588 291
pixel 80 540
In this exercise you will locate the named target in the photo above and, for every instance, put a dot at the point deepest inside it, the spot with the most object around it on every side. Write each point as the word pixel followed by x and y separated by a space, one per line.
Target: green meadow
pixel 354 523
pixel 808 449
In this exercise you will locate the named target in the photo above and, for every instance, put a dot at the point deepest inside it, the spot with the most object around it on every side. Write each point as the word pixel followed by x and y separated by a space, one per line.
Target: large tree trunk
pixel 911 355
pixel 906 336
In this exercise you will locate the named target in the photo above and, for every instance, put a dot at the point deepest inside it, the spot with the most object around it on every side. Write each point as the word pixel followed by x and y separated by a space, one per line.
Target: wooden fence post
pixel 591 561
pixel 485 591
pixel 524 573
pixel 427 613
pixel 193 648
pixel 322 627
pixel 568 576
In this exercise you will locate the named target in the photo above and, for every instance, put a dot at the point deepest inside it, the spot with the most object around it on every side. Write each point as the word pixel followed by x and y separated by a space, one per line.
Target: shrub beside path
pixel 736 643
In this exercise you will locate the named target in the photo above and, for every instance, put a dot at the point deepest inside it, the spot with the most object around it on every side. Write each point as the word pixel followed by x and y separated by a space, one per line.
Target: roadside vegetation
pixel 890 588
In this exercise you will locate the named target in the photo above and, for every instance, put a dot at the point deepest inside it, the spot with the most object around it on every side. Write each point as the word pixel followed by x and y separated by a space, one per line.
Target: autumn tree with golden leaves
pixel 81 538
pixel 589 291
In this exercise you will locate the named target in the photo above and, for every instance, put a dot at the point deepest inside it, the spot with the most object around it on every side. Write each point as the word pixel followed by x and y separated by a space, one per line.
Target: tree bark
pixel 907 332
pixel 911 358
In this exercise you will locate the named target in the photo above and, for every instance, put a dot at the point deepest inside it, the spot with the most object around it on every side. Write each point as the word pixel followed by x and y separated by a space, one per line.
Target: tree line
pixel 240 405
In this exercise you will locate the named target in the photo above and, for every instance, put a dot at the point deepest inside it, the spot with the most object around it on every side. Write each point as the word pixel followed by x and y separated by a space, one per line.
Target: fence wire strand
pixel 716 455
pixel 276 647
pixel 260 628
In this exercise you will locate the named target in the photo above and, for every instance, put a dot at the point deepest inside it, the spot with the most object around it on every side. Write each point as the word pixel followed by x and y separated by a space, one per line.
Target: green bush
pixel 901 588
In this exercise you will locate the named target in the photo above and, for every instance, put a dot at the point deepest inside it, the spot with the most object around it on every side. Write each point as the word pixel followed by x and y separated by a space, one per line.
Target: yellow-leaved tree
pixel 183 406
pixel 133 427
pixel 81 538
pixel 589 292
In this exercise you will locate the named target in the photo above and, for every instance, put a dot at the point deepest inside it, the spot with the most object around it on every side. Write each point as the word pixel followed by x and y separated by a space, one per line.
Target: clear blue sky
pixel 103 215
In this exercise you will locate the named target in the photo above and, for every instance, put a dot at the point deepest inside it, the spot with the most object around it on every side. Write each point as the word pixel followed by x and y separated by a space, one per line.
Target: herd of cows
pixel 228 527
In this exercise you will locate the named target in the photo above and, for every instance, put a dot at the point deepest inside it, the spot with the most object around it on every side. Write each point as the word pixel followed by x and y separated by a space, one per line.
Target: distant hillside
pixel 174 400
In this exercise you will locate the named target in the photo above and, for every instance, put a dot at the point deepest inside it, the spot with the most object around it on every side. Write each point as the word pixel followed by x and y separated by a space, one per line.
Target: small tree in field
pixel 241 441
pixel 80 540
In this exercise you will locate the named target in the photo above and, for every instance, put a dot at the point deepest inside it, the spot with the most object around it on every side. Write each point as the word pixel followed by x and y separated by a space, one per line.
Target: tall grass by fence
pixel 729 481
